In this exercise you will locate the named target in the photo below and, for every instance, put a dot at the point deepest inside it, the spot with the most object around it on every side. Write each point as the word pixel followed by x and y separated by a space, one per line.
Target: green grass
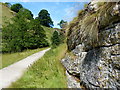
pixel 49 32
pixel 6 14
pixel 46 72
pixel 8 59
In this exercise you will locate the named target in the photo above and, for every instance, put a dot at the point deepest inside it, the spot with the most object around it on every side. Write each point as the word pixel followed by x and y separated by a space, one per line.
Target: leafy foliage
pixel 23 34
pixel 13 35
pixel 8 4
pixel 62 23
pixel 55 39
pixel 44 18
pixel 85 5
pixel 36 36
pixel 62 37
pixel 16 7
pixel 25 13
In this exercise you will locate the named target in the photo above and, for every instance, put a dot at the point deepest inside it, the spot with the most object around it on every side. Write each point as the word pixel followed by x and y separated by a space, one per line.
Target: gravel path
pixel 15 71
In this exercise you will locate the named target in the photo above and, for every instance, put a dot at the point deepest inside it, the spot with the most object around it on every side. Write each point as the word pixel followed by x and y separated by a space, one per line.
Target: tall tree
pixel 16 7
pixel 55 39
pixel 37 36
pixel 44 18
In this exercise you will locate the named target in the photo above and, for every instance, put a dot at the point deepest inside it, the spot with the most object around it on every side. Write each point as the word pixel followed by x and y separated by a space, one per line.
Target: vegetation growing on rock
pixel 93 37
pixel 89 23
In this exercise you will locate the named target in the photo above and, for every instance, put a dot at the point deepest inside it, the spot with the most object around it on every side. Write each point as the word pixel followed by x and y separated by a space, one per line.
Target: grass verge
pixel 46 72
pixel 10 58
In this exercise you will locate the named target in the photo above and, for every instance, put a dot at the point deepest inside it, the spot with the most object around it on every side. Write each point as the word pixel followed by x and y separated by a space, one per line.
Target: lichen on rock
pixel 94 39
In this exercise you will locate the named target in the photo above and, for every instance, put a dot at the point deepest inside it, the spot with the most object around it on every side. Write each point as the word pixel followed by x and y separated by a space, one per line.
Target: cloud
pixel 71 12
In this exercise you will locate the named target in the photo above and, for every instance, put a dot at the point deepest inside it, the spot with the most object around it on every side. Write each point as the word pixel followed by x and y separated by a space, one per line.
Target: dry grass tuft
pixel 90 24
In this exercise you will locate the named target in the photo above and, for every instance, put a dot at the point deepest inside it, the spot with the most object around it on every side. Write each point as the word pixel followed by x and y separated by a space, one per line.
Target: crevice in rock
pixel 102 47
pixel 76 76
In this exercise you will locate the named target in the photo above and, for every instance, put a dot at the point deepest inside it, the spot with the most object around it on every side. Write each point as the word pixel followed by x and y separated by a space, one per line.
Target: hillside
pixel 49 32
pixel 6 14
pixel 94 47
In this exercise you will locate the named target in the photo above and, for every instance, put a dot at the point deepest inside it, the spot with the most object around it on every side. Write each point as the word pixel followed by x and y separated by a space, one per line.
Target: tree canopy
pixel 16 7
pixel 62 23
pixel 55 39
pixel 23 34
pixel 23 12
pixel 8 4
pixel 44 18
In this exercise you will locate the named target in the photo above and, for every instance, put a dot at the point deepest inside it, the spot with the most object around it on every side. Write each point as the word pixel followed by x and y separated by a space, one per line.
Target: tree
pixel 16 7
pixel 62 37
pixel 8 4
pixel 13 35
pixel 62 24
pixel 36 37
pixel 55 39
pixel 25 13
pixel 22 34
pixel 44 18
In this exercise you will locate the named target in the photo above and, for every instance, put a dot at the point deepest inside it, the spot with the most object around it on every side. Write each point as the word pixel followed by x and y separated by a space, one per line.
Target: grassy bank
pixel 6 14
pixel 8 59
pixel 46 72
pixel 49 32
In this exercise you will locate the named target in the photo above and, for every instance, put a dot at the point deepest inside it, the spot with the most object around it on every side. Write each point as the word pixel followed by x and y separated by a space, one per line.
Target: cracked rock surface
pixel 98 65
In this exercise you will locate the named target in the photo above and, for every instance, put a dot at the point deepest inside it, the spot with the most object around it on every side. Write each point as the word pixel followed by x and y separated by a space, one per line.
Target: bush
pixel 23 34
pixel 37 37
pixel 16 7
pixel 55 39
pixel 8 4
pixel 13 35
pixel 25 13
pixel 85 5
pixel 62 37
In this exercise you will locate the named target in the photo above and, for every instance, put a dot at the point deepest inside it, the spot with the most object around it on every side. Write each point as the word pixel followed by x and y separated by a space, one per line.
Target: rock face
pixel 96 63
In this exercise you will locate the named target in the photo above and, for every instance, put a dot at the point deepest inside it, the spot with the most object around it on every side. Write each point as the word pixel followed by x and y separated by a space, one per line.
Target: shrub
pixel 8 4
pixel 23 34
pixel 25 13
pixel 16 7
pixel 55 39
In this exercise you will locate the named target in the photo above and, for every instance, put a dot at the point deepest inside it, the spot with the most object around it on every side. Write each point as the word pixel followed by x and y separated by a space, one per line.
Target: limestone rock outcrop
pixel 96 49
